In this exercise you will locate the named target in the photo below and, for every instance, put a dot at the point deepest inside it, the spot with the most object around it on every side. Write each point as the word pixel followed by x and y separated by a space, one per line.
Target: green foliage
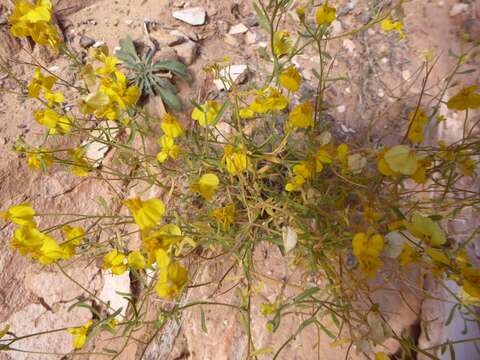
pixel 147 75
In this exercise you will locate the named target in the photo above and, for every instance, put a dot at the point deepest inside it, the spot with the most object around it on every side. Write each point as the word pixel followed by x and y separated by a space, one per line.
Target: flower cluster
pixel 34 21
pixel 40 246
pixel 109 95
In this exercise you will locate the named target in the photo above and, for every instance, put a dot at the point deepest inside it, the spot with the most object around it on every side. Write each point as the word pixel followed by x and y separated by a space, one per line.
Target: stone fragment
pixel 336 27
pixel 187 52
pixel 161 38
pixel 236 73
pixel 96 150
pixel 86 42
pixel 251 37
pixel 349 45
pixel 193 16
pixel 238 29
pixel 459 8
pixel 112 286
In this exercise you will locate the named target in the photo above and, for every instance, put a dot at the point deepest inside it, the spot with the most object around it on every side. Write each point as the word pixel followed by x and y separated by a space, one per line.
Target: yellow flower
pixel 425 228
pixel 147 214
pixel 225 216
pixel 300 13
pixel 290 79
pixel 4 331
pixel 34 21
pixel 268 100
pixel 136 260
pixel 164 238
pixel 325 14
pixel 235 160
pixel 466 164
pixel 301 116
pixel 322 157
pixel 282 44
pixel 40 82
pixel 115 261
pixel 109 65
pixel 171 126
pixel 207 113
pixel 418 120
pixel 381 356
pixel 471 282
pixel 206 186
pixel 52 120
pixel 80 165
pixel 400 159
pixel 74 235
pixel 80 334
pixel 342 154
pixel 74 238
pixel 367 250
pixel 27 239
pixel 94 102
pixel 439 257
pixel 302 171
pixel 113 96
pixel 408 255
pixel 54 98
pixel 420 175
pixel 246 113
pixel 39 159
pixel 467 98
pixel 390 25
pixel 20 214
pixel 364 245
pixel 172 278
pixel 169 149
pixel 50 251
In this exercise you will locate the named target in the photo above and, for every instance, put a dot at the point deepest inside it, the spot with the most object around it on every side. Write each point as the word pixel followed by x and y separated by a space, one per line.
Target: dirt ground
pixel 367 100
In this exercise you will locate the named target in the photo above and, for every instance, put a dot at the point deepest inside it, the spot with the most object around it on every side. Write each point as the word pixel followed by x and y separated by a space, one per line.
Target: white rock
pixel 290 238
pixel 192 16
pixel 251 37
pixel 96 150
pixel 341 108
pixel 232 73
pixel 222 131
pixel 459 8
pixel 238 29
pixel 349 45
pixel 336 27
pixel 97 44
pixel 112 285
pixel 406 75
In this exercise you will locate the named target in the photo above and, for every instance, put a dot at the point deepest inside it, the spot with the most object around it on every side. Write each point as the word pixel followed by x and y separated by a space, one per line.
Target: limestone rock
pixel 187 52
pixel 193 16
pixel 238 29
pixel 236 73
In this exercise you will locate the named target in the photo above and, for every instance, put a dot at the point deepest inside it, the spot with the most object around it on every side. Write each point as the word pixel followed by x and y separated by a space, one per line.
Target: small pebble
pixel 86 42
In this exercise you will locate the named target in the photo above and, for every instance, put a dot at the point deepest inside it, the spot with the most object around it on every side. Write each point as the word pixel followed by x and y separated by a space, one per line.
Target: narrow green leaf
pixel 305 294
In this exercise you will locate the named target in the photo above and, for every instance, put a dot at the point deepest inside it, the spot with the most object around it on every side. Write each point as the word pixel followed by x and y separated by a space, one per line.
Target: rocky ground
pixel 366 99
